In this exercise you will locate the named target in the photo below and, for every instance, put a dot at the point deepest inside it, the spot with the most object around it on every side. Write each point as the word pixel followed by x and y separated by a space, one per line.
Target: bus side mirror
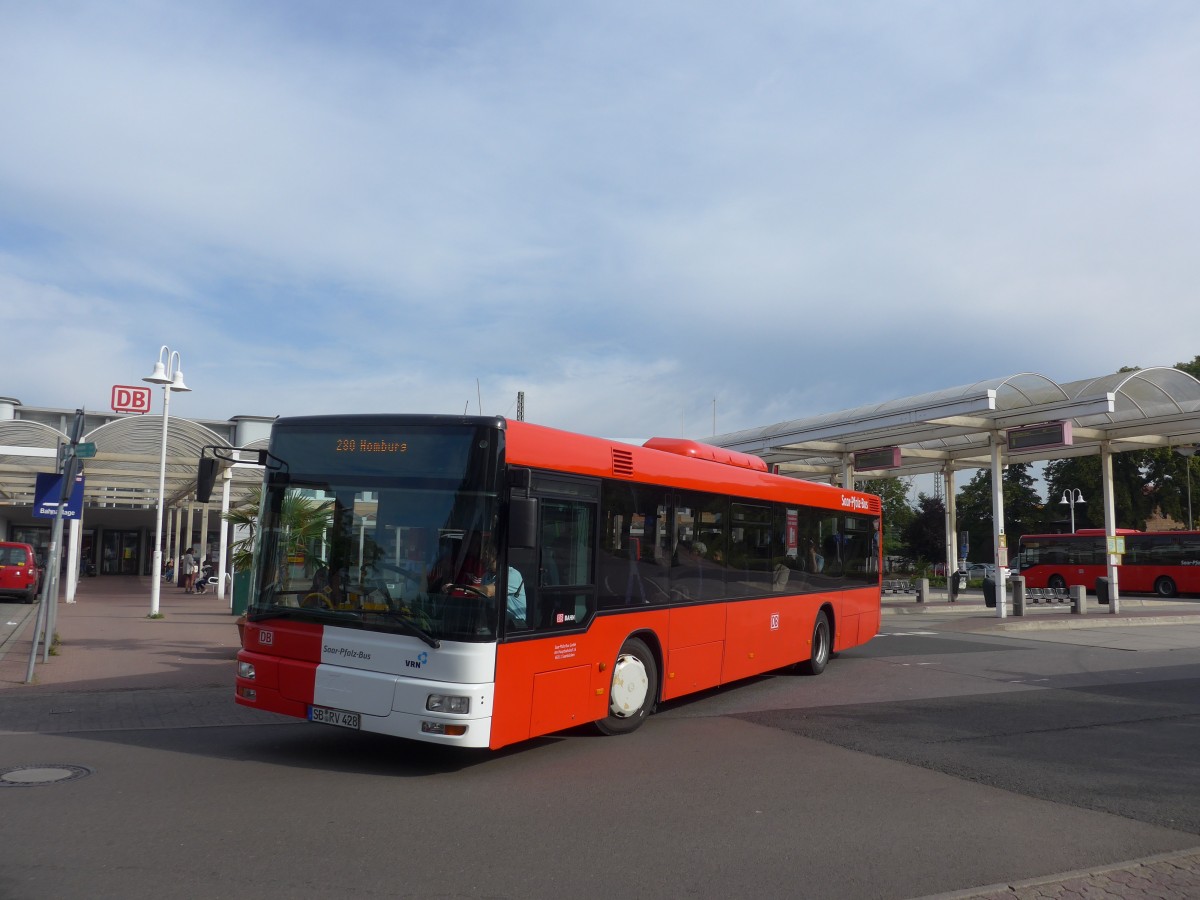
pixel 522 522
pixel 206 477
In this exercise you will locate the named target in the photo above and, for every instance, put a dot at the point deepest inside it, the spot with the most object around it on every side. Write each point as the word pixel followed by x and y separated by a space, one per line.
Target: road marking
pixel 905 633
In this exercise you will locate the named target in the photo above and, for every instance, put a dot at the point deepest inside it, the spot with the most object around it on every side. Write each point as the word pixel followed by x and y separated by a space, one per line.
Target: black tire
pixel 1057 583
pixel 821 647
pixel 633 691
pixel 1165 587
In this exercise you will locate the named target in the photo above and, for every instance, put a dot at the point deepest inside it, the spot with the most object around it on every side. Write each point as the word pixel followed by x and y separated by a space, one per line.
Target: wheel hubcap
pixel 630 685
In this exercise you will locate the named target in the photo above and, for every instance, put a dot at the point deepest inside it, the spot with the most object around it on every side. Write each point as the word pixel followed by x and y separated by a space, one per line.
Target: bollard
pixel 1104 594
pixel 1078 599
pixel 1018 588
pixel 922 589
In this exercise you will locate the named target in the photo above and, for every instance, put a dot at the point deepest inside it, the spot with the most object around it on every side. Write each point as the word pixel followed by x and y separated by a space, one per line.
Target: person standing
pixel 188 565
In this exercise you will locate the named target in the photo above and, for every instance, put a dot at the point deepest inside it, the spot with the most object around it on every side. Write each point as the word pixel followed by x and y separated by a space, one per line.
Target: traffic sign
pixel 48 493
pixel 85 450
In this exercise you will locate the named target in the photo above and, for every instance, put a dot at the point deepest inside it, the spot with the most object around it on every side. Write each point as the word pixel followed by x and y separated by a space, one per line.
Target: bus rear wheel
pixel 633 691
pixel 1056 583
pixel 1164 587
pixel 821 648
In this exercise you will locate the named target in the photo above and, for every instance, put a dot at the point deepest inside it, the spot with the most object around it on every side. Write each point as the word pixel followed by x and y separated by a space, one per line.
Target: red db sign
pixel 126 398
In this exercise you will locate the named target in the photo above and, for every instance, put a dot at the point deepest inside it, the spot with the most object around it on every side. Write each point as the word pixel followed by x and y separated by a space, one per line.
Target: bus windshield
pixel 381 525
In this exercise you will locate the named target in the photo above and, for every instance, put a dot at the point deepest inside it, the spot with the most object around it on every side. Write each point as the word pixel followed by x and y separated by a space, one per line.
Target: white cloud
pixel 626 212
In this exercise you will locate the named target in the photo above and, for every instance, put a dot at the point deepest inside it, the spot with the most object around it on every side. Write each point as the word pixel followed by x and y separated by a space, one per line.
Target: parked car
pixel 19 572
pixel 979 571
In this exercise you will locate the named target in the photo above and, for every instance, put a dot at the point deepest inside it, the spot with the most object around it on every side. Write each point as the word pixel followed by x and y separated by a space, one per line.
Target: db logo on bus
pixel 564 617
pixel 266 637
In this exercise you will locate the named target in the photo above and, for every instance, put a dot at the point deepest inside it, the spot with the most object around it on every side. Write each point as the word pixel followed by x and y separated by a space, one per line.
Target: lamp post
pixel 170 376
pixel 1070 497
pixel 1187 453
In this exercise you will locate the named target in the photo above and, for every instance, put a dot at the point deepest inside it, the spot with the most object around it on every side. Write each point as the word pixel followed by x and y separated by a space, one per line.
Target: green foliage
pixel 1192 368
pixel 1135 496
pixel 925 535
pixel 303 520
pixel 1023 511
pixel 897 514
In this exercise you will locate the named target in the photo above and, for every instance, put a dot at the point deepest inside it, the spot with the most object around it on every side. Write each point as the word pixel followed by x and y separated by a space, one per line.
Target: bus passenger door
pixel 560 598
pixel 558 573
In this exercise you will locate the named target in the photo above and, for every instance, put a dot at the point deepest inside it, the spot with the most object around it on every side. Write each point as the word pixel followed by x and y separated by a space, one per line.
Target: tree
pixel 897 513
pixel 925 536
pixel 1023 511
pixel 1134 498
pixel 1192 368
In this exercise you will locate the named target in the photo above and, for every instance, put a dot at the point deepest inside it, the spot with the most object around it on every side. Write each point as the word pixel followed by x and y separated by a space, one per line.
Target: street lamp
pixel 1070 497
pixel 1187 453
pixel 170 376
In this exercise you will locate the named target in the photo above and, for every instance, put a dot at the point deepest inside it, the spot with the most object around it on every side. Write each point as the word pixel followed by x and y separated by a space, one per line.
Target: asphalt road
pixel 929 761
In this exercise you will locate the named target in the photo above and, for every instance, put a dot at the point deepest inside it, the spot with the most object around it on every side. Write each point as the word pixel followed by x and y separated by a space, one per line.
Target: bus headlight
pixel 447 703
pixel 245 669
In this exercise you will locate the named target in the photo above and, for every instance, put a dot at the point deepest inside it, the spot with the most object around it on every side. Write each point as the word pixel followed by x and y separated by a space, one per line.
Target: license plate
pixel 338 717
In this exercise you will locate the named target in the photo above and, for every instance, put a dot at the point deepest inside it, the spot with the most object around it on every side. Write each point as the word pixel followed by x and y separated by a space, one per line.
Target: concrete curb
pixel 1019 888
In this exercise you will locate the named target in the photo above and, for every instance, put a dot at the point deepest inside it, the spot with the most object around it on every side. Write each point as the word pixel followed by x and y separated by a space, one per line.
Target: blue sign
pixel 47 493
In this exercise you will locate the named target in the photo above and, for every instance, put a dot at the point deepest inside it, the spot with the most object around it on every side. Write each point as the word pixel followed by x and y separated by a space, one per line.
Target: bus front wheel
pixel 633 691
pixel 1056 583
pixel 821 647
pixel 1164 587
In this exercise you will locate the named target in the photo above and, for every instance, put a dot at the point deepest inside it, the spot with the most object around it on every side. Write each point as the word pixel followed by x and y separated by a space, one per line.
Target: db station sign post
pixel 131 398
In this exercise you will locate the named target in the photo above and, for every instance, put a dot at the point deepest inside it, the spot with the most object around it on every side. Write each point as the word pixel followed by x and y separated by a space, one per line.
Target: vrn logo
pixel 421 660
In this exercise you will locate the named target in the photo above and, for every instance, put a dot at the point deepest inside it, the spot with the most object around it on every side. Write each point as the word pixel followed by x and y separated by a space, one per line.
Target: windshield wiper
pixel 413 628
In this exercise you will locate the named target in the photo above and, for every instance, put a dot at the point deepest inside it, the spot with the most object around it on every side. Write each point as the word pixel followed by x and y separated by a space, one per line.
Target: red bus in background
pixel 1161 562
pixel 479 581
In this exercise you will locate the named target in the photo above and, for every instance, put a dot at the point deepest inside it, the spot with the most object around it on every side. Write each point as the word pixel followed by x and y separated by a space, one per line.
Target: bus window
pixel 635 549
pixel 693 576
pixel 751 570
pixel 565 596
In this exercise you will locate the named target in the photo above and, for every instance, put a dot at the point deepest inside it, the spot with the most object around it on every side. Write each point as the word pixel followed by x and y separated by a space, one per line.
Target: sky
pixel 651 218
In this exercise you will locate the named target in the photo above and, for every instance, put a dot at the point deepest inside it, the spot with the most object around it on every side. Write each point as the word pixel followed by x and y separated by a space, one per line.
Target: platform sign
pixel 131 398
pixel 47 493
pixel 880 458
pixel 1046 436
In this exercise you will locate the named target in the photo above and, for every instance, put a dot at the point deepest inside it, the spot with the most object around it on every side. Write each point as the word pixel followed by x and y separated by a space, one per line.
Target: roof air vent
pixel 622 462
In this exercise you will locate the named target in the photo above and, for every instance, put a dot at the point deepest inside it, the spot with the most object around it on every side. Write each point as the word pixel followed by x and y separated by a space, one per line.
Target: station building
pixel 116 525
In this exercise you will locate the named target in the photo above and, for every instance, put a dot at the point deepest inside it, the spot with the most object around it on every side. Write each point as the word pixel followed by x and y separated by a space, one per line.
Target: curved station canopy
pixel 957 428
pixel 124 472
pixel 1018 419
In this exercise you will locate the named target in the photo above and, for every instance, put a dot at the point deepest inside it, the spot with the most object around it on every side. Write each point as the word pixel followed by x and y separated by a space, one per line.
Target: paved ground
pixel 136 668
pixel 109 643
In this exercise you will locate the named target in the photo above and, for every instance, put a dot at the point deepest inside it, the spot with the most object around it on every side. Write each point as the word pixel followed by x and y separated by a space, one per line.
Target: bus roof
pixel 676 462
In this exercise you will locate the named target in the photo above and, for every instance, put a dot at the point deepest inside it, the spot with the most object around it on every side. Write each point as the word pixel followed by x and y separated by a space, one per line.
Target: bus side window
pixel 634 564
pixel 565 595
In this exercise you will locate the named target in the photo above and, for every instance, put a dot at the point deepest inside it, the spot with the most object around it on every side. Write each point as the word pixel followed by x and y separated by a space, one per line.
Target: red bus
pixel 1161 562
pixel 477 581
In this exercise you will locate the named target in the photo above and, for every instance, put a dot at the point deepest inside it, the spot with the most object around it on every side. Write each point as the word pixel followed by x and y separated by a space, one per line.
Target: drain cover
pixel 28 776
